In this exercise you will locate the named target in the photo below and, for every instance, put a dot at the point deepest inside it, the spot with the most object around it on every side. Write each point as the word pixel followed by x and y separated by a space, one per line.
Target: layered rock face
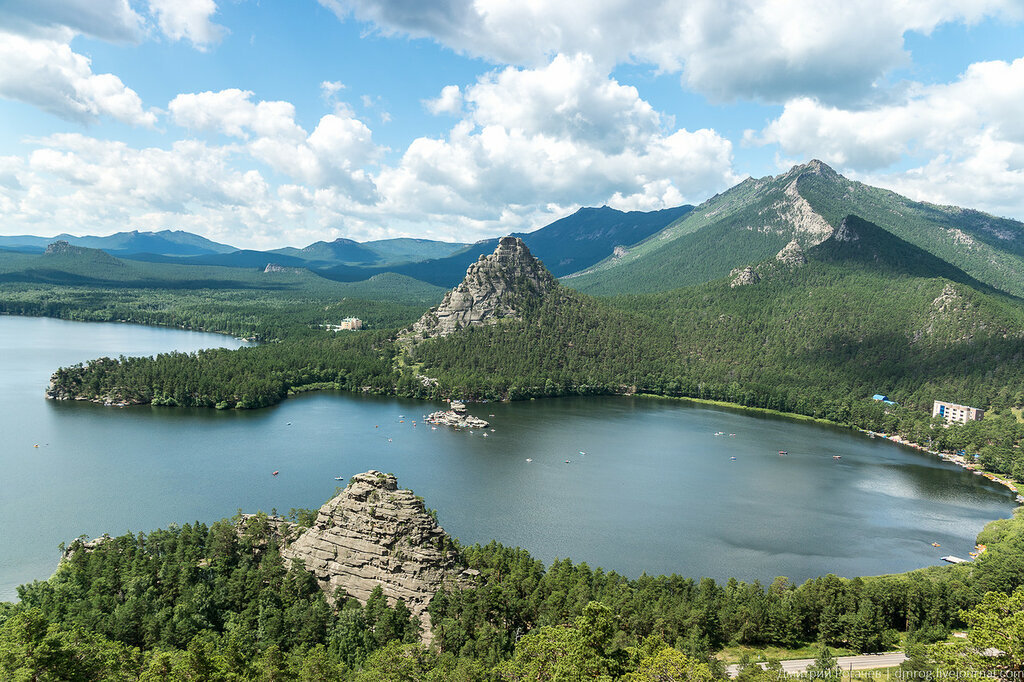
pixel 375 534
pixel 493 288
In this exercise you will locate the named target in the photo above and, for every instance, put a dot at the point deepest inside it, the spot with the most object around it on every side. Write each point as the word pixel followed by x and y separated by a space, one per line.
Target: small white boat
pixel 529 459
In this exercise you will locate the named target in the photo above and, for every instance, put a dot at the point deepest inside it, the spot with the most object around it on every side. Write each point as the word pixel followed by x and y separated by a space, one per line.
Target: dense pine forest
pixel 197 602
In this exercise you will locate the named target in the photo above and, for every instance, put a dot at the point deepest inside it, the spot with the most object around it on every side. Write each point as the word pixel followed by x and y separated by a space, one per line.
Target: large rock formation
pixel 744 276
pixel 494 288
pixel 374 534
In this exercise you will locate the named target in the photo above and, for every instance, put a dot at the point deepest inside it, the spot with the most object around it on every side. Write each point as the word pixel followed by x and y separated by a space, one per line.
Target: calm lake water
pixel 656 491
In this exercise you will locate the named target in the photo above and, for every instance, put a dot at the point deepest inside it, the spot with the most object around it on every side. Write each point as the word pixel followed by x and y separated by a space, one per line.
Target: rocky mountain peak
pixel 373 533
pixel 495 287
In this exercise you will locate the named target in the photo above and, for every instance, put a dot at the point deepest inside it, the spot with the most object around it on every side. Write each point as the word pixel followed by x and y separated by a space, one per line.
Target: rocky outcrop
pixel 494 288
pixel 374 534
pixel 61 247
pixel 791 255
pixel 744 276
pixel 845 232
pixel 457 417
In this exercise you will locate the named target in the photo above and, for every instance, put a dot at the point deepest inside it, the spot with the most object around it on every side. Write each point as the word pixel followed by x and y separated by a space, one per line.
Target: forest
pixel 197 602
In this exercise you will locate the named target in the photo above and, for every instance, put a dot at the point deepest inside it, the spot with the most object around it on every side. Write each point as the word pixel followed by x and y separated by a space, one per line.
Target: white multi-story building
pixel 952 412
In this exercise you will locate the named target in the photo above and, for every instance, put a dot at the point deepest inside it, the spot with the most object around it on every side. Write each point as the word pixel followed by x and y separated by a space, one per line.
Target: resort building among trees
pixel 952 412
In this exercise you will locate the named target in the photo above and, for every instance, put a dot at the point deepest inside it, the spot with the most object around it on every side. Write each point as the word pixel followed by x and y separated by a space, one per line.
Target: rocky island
pixel 457 417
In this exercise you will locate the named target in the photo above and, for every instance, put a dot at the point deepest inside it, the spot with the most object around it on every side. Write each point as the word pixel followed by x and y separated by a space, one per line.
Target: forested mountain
pixel 406 249
pixel 754 219
pixel 79 283
pixel 164 242
pixel 338 251
pixel 567 245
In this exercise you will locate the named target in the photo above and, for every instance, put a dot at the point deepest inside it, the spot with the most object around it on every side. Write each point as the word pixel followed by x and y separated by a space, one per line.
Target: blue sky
pixel 272 123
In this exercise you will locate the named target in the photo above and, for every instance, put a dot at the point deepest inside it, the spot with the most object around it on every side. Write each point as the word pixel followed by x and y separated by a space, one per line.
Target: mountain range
pixel 569 244
pixel 753 220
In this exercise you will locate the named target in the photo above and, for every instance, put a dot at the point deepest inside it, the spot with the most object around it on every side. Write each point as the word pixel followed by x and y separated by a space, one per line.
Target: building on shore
pixel 952 412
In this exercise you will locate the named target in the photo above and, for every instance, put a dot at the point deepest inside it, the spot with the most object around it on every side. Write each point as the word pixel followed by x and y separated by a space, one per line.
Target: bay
pixel 656 490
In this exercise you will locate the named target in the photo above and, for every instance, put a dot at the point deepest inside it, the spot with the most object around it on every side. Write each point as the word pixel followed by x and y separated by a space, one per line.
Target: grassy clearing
pixel 735 653
pixel 744 408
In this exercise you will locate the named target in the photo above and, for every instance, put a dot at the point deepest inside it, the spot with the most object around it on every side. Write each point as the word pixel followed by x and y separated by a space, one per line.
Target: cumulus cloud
pixel 448 102
pixel 766 49
pixel 334 154
pixel 564 135
pixel 48 74
pixel 967 136
pixel 233 112
pixel 112 20
pixel 570 137
pixel 188 19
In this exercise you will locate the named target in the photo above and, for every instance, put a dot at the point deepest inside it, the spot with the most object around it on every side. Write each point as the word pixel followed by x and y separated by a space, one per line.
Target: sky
pixel 268 123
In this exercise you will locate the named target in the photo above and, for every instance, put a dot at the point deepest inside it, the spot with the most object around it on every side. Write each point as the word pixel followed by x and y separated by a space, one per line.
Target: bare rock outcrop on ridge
pixel 373 533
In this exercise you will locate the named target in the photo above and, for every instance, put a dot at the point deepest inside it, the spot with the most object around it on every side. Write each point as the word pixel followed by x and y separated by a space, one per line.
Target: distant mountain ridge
pixel 566 245
pixel 167 242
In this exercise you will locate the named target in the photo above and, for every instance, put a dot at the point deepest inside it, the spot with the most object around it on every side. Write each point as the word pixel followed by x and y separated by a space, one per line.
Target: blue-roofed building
pixel 883 398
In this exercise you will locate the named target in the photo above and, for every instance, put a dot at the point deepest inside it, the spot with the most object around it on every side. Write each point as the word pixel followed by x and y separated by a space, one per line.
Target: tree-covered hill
pixel 219 602
pixel 79 283
pixel 754 219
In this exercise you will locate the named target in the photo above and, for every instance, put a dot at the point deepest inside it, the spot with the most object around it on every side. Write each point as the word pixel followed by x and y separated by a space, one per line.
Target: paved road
pixel 862 662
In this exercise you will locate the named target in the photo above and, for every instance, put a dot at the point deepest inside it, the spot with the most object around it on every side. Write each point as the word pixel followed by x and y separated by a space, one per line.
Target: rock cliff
pixel 495 287
pixel 374 534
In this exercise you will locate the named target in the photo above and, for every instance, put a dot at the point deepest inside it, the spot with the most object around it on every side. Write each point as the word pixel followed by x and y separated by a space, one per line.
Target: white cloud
pixel 448 102
pixel 334 154
pixel 573 137
pixel 233 112
pixel 766 49
pixel 964 140
pixel 112 20
pixel 330 89
pixel 48 74
pixel 564 135
pixel 188 19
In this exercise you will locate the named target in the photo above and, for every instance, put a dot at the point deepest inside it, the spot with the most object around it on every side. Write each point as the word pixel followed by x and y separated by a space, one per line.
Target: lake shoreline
pixel 952 458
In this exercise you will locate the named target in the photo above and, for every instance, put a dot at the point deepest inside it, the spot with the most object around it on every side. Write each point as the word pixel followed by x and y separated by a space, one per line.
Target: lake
pixel 655 491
